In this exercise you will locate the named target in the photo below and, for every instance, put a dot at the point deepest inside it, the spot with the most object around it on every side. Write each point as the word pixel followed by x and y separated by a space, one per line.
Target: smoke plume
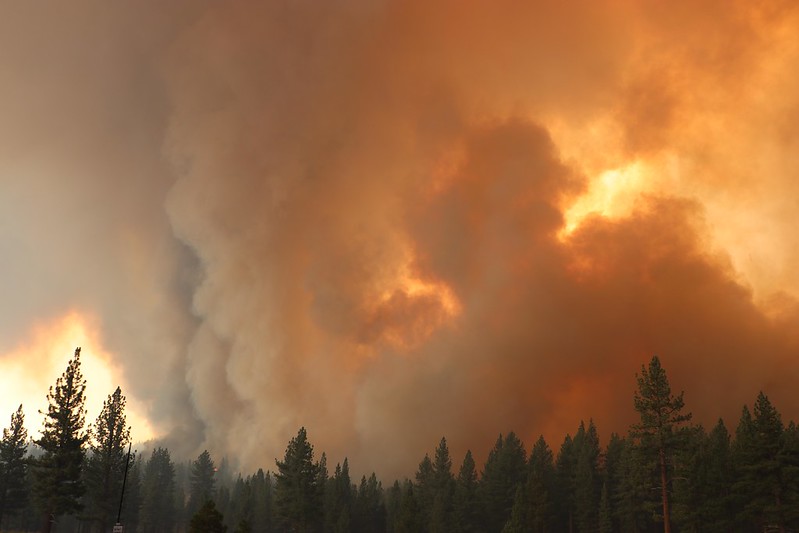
pixel 391 221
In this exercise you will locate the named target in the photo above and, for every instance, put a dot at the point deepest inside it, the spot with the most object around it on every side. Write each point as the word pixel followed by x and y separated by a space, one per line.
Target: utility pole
pixel 118 528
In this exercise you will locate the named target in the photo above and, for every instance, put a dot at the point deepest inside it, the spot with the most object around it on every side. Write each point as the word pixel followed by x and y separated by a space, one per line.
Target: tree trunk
pixel 665 492
pixel 48 522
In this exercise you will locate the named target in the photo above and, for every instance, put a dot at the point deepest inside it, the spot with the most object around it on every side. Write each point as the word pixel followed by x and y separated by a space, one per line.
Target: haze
pixel 389 221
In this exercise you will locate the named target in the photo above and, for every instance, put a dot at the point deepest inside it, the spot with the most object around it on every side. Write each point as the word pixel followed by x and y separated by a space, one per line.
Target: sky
pixel 391 221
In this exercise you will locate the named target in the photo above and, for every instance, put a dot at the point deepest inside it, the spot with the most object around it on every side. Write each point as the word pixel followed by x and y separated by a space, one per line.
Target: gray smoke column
pixel 377 194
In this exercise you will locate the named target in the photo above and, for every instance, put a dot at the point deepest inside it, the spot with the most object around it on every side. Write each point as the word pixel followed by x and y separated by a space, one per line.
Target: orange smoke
pixel 391 221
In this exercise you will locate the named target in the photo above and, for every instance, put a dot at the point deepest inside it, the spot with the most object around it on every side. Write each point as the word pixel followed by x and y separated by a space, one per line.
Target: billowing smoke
pixel 392 221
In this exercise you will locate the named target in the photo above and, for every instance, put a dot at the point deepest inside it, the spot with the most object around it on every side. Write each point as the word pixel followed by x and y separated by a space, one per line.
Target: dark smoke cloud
pixel 374 197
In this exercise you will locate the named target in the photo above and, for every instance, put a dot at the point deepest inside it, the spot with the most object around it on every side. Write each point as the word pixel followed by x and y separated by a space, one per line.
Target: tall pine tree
pixel 661 416
pixel 58 472
pixel 13 467
pixel 297 495
pixel 105 466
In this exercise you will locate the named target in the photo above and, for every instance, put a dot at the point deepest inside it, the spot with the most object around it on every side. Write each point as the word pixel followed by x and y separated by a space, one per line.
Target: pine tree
pixel 13 467
pixel 610 475
pixel 466 504
pixel 409 516
pixel 767 466
pixel 565 475
pixel 207 520
pixel 441 516
pixel 661 416
pixel 370 515
pixel 540 486
pixel 105 466
pixel 339 499
pixel 519 520
pixel 587 483
pixel 133 496
pixel 201 482
pixel 424 490
pixel 605 511
pixel 297 494
pixel 264 495
pixel 634 500
pixel 158 493
pixel 504 472
pixel 58 472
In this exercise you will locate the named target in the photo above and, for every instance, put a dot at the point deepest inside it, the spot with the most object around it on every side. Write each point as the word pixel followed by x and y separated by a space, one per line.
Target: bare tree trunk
pixel 665 492
pixel 47 526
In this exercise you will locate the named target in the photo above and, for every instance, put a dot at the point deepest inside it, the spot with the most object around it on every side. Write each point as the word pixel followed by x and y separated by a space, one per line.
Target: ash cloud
pixel 375 196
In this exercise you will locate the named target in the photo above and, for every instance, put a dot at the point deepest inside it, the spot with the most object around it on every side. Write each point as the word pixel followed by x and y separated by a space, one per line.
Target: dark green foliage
pixel 441 515
pixel 424 490
pixel 703 487
pixel 540 487
pixel 504 473
pixel 207 520
pixel 133 496
pixel 465 502
pixel 519 521
pixel 610 475
pixel 635 498
pixel 370 511
pixel 587 482
pixel 58 472
pixel 243 527
pixel 13 467
pixel 768 469
pixel 298 500
pixel 105 465
pixel 158 493
pixel 201 482
pixel 605 511
pixel 657 433
pixel 339 500
pixel 409 517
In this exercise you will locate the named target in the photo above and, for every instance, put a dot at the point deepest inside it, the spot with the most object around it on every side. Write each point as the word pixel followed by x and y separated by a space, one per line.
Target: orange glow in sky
pixel 33 366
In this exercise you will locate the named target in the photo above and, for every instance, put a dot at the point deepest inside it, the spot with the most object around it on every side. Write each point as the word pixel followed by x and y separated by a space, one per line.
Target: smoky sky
pixel 356 216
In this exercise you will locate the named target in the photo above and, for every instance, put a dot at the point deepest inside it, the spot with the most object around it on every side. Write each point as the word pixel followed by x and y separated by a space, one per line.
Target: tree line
pixel 666 474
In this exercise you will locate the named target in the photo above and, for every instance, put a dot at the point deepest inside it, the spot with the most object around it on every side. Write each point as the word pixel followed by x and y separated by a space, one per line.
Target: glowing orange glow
pixel 612 194
pixel 32 368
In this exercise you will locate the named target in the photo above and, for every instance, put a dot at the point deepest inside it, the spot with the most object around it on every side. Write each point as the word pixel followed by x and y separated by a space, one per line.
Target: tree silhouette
pixel 58 472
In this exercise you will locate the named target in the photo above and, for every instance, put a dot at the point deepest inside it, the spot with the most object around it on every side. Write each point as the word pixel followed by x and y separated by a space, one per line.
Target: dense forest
pixel 666 474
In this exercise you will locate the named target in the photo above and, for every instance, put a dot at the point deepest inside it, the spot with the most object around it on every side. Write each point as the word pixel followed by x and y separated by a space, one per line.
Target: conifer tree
pixel 564 495
pixel 661 416
pixel 207 520
pixel 409 516
pixel 424 490
pixel 297 495
pixel 769 474
pixel 441 517
pixel 58 472
pixel 540 486
pixel 201 482
pixel 339 500
pixel 133 496
pixel 634 500
pixel 605 512
pixel 370 515
pixel 13 467
pixel 158 493
pixel 504 472
pixel 466 504
pixel 519 520
pixel 261 492
pixel 587 483
pixel 105 465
